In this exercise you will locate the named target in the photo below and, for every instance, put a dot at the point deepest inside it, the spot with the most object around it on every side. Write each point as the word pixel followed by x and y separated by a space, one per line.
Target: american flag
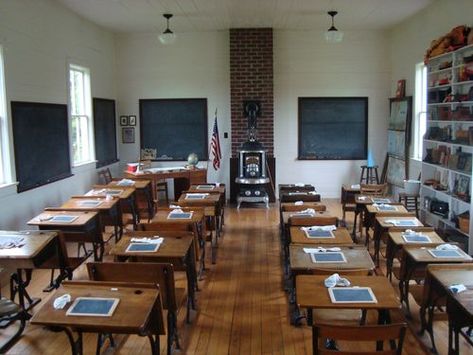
pixel 215 145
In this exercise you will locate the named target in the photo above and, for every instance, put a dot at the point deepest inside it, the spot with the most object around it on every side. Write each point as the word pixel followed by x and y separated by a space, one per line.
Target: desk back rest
pixel 286 188
pixel 375 190
pixel 285 197
pixel 344 272
pixel 164 226
pixel 294 208
pixel 356 334
pixel 154 273
pixel 396 214
pixel 415 228
pixel 313 221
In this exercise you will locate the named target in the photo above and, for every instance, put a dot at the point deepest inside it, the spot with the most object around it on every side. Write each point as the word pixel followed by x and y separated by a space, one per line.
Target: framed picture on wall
pixel 132 120
pixel 400 114
pixel 128 135
pixel 123 120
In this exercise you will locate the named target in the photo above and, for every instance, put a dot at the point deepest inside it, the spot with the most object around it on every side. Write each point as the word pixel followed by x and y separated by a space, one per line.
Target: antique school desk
pixel 361 201
pixel 139 311
pixel 144 196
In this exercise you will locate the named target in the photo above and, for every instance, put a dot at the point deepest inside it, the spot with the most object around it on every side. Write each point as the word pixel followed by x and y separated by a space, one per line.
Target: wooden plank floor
pixel 242 308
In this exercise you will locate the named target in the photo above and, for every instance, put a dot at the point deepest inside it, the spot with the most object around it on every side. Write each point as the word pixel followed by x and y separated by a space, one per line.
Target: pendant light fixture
pixel 333 35
pixel 167 37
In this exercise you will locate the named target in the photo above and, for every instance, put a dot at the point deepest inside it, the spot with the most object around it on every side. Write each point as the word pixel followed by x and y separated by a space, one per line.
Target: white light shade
pixel 167 37
pixel 333 36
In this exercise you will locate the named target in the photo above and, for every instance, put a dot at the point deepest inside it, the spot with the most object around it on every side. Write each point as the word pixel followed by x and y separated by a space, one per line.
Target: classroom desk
pixel 85 229
pixel 38 248
pixel 395 242
pixel 437 280
pixel 125 194
pixel 138 312
pixel 214 190
pixel 288 214
pixel 284 188
pixel 292 196
pixel 177 249
pixel 144 196
pixel 109 211
pixel 183 178
pixel 413 267
pixel 298 236
pixel 382 224
pixel 311 293
pixel 361 201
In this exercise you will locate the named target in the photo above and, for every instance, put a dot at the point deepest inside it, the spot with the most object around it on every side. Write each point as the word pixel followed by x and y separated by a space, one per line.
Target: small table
pixel 311 293
pixel 381 225
pixel 395 242
pixel 38 248
pixel 177 249
pixel 139 312
pixel 84 229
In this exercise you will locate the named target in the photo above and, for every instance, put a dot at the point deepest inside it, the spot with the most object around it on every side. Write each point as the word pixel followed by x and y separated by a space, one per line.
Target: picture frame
pixel 123 120
pixel 400 115
pixel 401 88
pixel 132 120
pixel 128 135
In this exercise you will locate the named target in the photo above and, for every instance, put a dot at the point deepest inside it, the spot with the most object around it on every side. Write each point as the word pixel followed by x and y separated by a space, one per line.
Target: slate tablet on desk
pixel 113 192
pixel 380 200
pixel 318 233
pixel 195 196
pixel 87 203
pixel 302 215
pixel 64 219
pixel 404 223
pixel 386 208
pixel 352 295
pixel 205 187
pixel 142 247
pixel 93 307
pixel 416 238
pixel 439 254
pixel 328 257
pixel 180 215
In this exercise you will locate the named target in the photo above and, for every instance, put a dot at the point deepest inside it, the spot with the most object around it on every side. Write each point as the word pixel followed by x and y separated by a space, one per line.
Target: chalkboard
pixel 41 143
pixel 174 127
pixel 333 128
pixel 105 132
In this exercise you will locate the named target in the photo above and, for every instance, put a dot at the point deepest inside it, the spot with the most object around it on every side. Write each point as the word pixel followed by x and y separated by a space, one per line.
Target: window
pixel 420 108
pixel 81 115
pixel 5 168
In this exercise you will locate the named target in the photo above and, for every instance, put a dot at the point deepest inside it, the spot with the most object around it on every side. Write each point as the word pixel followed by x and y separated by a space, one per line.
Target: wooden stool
pixel 162 186
pixel 411 202
pixel 371 176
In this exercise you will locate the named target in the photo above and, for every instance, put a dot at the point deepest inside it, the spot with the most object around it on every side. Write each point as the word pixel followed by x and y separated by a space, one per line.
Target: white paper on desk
pixel 320 250
pixel 125 182
pixel 8 242
pixel 312 192
pixel 174 206
pixel 446 246
pixel 329 228
pixel 335 280
pixel 154 240
pixel 299 203
pixel 299 184
pixel 356 186
pixel 309 211
pixel 457 288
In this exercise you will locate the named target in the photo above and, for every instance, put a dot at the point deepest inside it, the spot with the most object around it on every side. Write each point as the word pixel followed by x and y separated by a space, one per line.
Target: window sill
pixel 8 189
pixel 82 167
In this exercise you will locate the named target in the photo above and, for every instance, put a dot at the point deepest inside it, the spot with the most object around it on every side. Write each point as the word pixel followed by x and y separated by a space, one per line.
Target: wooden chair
pixel 155 273
pixel 10 312
pixel 355 334
pixel 348 203
pixel 161 185
pixel 376 190
pixel 105 176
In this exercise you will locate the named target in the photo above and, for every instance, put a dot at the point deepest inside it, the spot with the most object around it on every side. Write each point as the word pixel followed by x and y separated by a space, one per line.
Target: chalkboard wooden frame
pixel 32 159
pixel 201 127
pixel 303 155
pixel 111 133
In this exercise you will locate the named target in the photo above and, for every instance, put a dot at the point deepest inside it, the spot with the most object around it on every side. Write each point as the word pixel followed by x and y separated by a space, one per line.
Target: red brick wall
pixel 251 78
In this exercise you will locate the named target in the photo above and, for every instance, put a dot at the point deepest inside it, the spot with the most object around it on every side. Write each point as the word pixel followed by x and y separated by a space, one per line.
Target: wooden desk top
pixel 44 219
pixel 374 209
pixel 397 239
pixel 35 242
pixel 299 193
pixel 349 188
pixel 357 258
pixel 75 204
pixel 298 236
pixel 452 274
pixel 422 255
pixel 382 221
pixel 102 190
pixel 288 214
pixel 216 189
pixel 312 293
pixel 209 199
pixel 303 206
pixel 175 245
pixel 132 315
pixel 162 216
pixel 164 173
pixel 139 184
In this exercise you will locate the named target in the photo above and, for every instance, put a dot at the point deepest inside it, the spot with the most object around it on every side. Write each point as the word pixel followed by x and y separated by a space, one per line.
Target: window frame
pixel 88 113
pixel 6 159
pixel 420 110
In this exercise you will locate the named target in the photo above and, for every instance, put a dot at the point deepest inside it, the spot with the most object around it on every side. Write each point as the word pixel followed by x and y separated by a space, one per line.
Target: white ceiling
pixel 203 15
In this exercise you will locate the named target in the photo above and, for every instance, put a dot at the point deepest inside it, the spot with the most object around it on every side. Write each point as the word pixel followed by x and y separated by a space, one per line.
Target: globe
pixel 192 159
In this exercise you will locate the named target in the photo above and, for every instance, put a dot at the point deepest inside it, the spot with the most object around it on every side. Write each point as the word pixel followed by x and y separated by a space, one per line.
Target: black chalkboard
pixel 333 128
pixel 41 143
pixel 174 127
pixel 105 131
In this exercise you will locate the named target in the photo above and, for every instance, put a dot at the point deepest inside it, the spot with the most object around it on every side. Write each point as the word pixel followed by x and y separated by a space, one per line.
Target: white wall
pixel 304 65
pixel 410 40
pixel 197 65
pixel 39 37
